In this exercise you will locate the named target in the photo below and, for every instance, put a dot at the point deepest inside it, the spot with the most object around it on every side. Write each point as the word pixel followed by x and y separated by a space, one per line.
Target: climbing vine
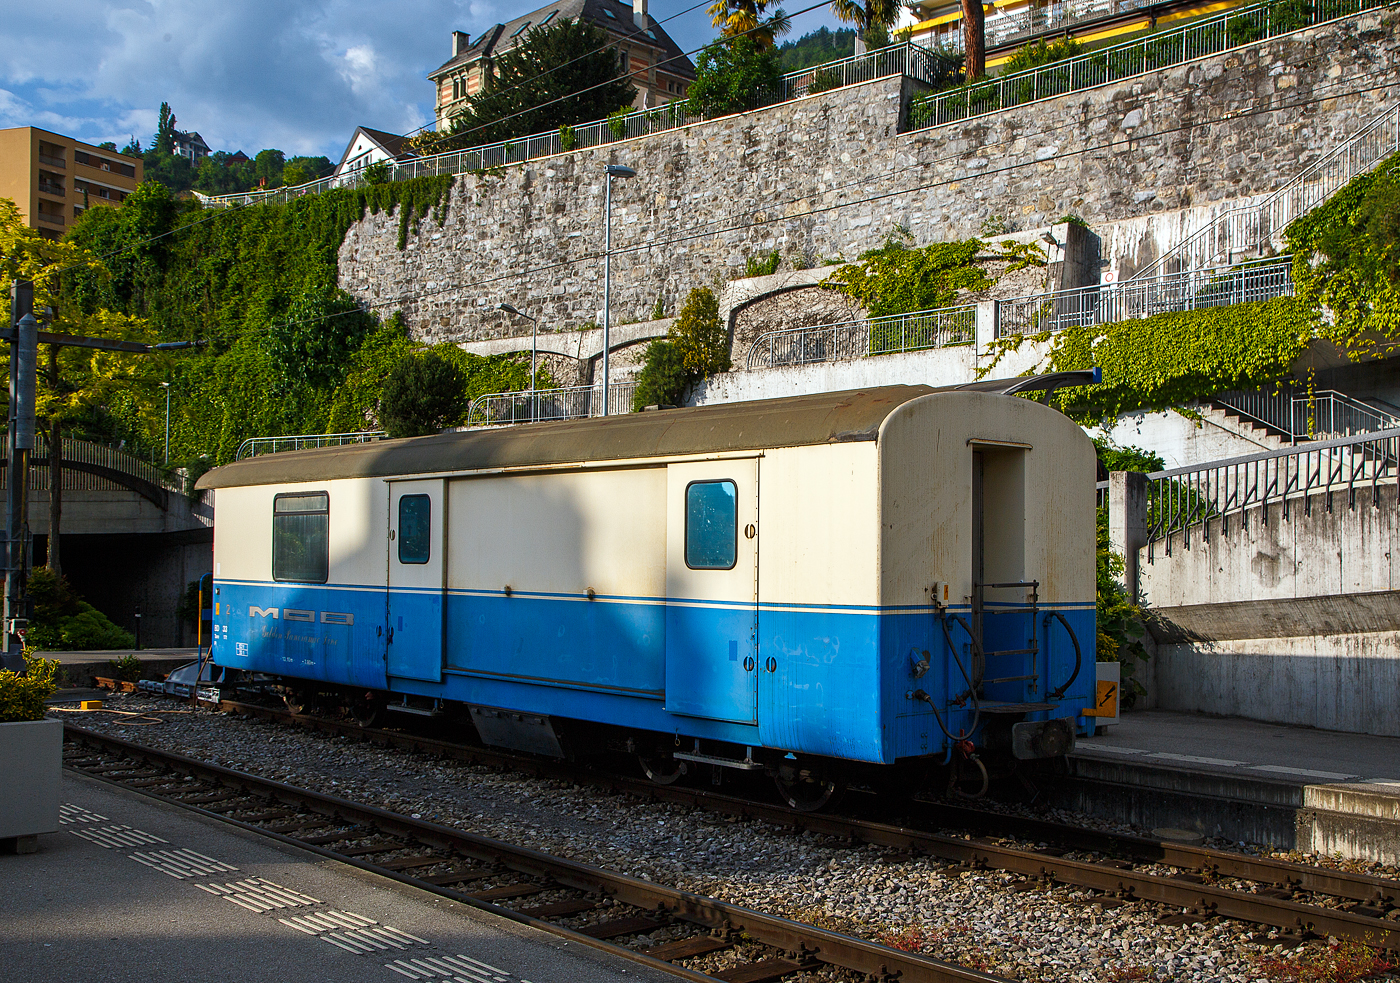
pixel 286 350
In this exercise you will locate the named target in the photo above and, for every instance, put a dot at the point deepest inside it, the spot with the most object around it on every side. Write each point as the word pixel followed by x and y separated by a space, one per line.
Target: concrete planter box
pixel 31 765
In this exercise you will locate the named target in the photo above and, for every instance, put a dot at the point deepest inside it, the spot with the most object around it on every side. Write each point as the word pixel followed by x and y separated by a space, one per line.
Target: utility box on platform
pixel 31 768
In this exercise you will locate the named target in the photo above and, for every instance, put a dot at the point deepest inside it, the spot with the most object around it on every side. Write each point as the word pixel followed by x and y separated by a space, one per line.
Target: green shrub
pixel 663 379
pixel 376 173
pixel 128 667
pixel 568 140
pixel 423 394
pixel 697 347
pixel 617 122
pixel 824 80
pixel 64 622
pixel 762 265
pixel 897 279
pixel 22 697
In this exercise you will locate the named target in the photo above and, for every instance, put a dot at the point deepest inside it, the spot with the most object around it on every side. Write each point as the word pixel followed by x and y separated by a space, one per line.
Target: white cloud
pixel 246 74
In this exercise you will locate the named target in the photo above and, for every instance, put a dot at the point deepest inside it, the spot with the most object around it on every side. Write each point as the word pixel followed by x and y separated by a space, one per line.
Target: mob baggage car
pixel 793 585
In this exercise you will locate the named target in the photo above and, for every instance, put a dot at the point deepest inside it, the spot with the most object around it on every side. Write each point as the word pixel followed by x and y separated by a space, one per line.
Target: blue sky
pixel 249 74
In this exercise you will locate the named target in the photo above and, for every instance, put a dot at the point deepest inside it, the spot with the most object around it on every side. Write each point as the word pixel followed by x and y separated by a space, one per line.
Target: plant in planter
pixel 31 755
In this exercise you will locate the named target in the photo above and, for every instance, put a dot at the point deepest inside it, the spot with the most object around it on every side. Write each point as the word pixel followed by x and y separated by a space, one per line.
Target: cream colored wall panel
pixel 560 532
pixel 819 539
pixel 926 450
pixel 243 530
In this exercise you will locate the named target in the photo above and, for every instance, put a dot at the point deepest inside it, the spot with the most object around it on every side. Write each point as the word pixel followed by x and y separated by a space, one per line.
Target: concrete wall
pixel 812 178
pixel 1288 619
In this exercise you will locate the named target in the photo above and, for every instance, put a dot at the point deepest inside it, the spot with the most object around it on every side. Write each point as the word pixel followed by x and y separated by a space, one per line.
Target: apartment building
pixel 661 72
pixel 54 178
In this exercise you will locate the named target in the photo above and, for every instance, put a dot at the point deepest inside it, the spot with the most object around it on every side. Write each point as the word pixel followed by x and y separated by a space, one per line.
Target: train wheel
pixel 662 768
pixel 807 789
pixel 368 710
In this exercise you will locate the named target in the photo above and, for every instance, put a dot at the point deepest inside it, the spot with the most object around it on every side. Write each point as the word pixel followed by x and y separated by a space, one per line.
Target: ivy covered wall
pixel 286 350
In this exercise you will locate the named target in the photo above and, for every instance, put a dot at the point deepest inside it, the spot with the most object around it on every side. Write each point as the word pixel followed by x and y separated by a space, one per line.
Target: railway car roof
pixel 792 421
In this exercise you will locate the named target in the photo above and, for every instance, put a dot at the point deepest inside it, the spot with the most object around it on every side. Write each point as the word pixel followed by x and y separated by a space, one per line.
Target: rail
pixel 1211 36
pixel 1036 21
pixel 254 446
pixel 1303 416
pixel 565 403
pixel 1106 303
pixel 1186 499
pixel 936 328
pixel 1259 227
pixel 907 58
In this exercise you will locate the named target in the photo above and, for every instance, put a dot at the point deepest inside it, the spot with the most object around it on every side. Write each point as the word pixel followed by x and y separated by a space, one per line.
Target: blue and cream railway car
pixel 791 585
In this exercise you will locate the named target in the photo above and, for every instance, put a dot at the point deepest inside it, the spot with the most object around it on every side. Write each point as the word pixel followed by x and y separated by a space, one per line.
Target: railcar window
pixel 415 517
pixel 711 525
pixel 301 537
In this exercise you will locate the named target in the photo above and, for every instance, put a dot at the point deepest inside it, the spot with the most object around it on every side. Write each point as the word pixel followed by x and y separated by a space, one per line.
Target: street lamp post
pixel 534 350
pixel 166 387
pixel 614 170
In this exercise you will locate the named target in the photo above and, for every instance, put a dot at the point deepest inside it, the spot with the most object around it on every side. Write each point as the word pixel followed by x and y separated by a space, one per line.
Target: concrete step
pixel 1288 809
pixel 1247 430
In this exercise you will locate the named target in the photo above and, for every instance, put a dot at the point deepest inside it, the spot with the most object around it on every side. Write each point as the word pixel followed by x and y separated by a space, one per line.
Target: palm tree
pixel 737 17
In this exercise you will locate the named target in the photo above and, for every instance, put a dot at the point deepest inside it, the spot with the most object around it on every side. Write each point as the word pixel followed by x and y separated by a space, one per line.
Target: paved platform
pixel 1297 788
pixel 79 668
pixel 132 889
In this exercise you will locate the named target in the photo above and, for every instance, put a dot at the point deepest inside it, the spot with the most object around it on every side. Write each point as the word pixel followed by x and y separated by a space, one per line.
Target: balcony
pixel 50 219
pixel 53 189
pixel 52 161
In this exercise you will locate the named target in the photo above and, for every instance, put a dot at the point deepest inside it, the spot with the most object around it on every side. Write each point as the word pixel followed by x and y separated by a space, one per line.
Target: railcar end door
pixel 417 528
pixel 712 589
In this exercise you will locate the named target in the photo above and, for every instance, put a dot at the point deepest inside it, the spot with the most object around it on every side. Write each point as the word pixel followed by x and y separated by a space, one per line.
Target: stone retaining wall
pixel 818 178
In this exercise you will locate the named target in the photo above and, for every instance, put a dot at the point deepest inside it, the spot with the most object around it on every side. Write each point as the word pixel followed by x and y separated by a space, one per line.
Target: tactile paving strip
pixel 454 969
pixel 182 864
pixel 259 894
pixel 113 837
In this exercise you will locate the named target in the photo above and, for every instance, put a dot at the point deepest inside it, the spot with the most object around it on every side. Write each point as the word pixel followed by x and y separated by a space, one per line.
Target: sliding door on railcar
pixel 712 590
pixel 417 521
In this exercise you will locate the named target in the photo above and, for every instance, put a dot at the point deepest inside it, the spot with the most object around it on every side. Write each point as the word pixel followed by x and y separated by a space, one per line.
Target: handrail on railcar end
pixel 1046 382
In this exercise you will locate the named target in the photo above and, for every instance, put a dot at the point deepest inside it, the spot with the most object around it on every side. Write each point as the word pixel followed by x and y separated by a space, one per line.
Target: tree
pixel 268 166
pixel 423 394
pixel 107 145
pixel 73 384
pixel 732 76
pixel 570 61
pixel 745 18
pixel 865 16
pixel 974 20
pixel 165 130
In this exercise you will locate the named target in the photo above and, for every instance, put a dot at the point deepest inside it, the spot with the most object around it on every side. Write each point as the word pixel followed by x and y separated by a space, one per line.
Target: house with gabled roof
pixel 661 72
pixel 371 147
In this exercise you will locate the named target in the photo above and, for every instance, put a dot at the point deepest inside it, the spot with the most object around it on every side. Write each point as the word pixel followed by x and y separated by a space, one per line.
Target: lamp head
pixel 507 308
pixel 617 170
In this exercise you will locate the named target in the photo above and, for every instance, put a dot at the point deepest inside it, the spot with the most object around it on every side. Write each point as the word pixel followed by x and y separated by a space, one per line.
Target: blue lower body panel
pixel 828 681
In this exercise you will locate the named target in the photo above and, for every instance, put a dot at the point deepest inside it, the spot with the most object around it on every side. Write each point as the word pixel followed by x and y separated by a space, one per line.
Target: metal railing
pixel 1106 303
pixel 1305 416
pixel 1211 36
pixel 906 58
pixel 566 403
pixel 937 328
pixel 100 457
pixel 1187 500
pixel 254 446
pixel 1253 229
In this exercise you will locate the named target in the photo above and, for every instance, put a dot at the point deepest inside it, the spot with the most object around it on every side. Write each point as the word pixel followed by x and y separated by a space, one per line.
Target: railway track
pixel 583 903
pixel 1197 882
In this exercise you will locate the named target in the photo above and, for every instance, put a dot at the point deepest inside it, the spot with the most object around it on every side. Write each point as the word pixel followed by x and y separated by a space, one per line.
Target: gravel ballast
pixel 988 920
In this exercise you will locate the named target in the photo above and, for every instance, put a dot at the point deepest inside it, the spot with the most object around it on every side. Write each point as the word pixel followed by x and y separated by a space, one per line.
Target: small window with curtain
pixel 711 525
pixel 415 518
pixel 301 537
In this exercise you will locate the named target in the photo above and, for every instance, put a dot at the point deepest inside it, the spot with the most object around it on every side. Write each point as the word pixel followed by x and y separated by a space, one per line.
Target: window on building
pixel 301 537
pixel 521 29
pixel 415 527
pixel 548 18
pixel 711 525
pixel 609 13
